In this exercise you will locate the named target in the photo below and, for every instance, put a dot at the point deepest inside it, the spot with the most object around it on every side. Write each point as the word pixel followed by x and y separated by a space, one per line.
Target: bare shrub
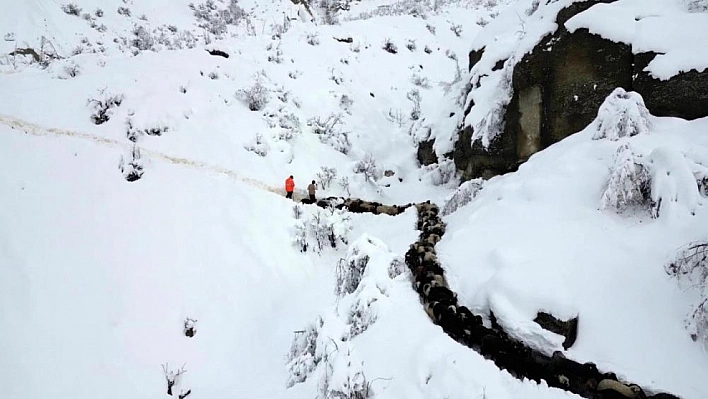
pixel 691 264
pixel 256 96
pixel 71 9
pixel 389 46
pixel 103 106
pixel 368 167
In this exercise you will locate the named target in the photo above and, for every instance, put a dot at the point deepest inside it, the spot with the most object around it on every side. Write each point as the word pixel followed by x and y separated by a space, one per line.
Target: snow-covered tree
pixel 329 130
pixel 629 184
pixel 368 167
pixel 622 114
pixel 462 196
pixel 325 176
pixel 302 359
pixel 349 271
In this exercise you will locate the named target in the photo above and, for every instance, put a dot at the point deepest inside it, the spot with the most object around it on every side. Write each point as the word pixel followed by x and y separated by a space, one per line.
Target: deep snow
pixel 97 275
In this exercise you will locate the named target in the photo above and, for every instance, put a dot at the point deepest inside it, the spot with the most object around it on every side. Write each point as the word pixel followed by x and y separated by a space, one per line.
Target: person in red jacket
pixel 289 187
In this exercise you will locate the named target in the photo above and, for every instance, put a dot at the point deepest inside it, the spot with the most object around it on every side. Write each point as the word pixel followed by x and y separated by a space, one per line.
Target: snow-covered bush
pixel 622 114
pixel 389 46
pixel 216 20
pixel 98 13
pixel 410 44
pixel 302 358
pixel 344 184
pixel 396 268
pixel 325 176
pixel 462 196
pixel 313 39
pixel 673 184
pixel 629 185
pixel 691 264
pixel 397 116
pixel 420 81
pixel 70 71
pixel 427 49
pixel 290 125
pixel 258 145
pixel 696 5
pixel 344 378
pixel 103 106
pixel 124 11
pixel 133 169
pixel 491 124
pixel 323 228
pixel 329 131
pixel 430 28
pixel 350 270
pixel 368 167
pixel 190 327
pixel 330 10
pixel 256 96
pixel 414 97
pixel 275 54
pixel 440 173
pixel 71 9
pixel 346 103
pixel 142 39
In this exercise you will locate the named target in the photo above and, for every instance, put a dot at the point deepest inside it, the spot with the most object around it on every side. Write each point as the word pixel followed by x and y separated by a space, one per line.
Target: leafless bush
pixel 103 106
pixel 256 96
pixel 71 9
pixel 330 132
pixel 691 264
pixel 368 167
pixel 389 46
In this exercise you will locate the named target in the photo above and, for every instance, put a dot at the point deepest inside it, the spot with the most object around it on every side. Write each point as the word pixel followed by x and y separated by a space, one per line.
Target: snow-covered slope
pixel 98 274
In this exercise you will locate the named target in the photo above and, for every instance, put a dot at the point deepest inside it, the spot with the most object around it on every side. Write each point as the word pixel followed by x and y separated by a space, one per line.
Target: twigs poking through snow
pixel 691 264
pixel 133 169
pixel 103 106
pixel 173 378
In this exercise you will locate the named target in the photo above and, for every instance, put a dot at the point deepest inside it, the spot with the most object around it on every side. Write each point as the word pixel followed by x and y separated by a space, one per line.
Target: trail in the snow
pixel 36 130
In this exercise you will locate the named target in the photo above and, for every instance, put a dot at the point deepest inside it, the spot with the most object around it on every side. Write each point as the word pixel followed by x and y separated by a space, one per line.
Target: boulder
pixel 567 328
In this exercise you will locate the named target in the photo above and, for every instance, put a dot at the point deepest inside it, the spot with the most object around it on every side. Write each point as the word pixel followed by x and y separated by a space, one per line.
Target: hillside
pixel 143 149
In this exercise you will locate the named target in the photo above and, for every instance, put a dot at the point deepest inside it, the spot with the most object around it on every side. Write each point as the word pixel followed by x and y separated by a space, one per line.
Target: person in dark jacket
pixel 289 187
pixel 311 190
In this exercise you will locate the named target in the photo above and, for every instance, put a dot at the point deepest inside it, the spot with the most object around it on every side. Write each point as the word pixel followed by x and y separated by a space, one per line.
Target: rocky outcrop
pixel 558 88
pixel 426 153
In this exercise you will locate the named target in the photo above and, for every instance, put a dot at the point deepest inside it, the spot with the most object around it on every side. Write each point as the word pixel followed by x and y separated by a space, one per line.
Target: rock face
pixel 558 88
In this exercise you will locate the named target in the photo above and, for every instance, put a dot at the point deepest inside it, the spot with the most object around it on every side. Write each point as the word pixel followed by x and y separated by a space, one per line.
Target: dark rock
pixel 474 57
pixel 499 65
pixel 389 173
pixel 426 153
pixel 344 39
pixel 567 328
pixel 218 53
pixel 684 95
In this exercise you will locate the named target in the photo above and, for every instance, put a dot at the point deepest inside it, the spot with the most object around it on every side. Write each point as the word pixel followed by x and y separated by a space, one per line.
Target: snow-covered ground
pixel 98 274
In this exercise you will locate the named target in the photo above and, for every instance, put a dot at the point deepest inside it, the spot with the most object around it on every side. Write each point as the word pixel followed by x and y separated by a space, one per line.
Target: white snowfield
pixel 98 274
